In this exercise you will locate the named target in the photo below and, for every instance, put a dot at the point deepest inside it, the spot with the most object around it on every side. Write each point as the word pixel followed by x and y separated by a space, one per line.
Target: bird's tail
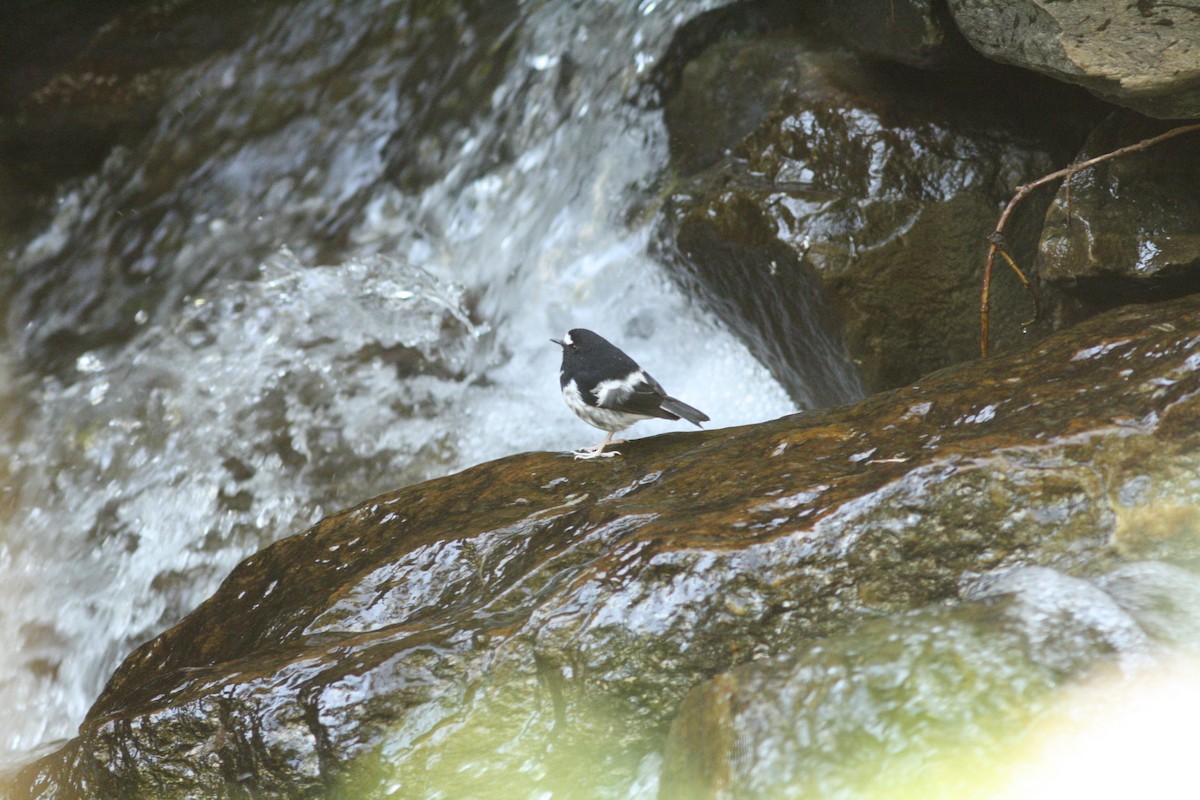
pixel 692 415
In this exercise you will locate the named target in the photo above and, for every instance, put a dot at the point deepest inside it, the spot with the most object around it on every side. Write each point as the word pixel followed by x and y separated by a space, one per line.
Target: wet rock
pixel 199 191
pixel 1128 228
pixel 78 78
pixel 849 225
pixel 96 95
pixel 536 620
pixel 1163 598
pixel 1144 56
pixel 881 706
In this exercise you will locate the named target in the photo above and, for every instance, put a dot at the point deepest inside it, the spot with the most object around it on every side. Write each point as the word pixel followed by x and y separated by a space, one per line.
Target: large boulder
pixel 835 212
pixel 536 621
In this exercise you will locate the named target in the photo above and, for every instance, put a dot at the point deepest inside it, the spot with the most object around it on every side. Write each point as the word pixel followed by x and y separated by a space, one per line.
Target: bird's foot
pixel 589 453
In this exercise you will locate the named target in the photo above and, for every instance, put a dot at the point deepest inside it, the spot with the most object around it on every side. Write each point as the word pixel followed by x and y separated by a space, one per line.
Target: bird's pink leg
pixel 598 450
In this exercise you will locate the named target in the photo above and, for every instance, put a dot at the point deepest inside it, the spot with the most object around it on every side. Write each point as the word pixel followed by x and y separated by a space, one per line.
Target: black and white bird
pixel 608 390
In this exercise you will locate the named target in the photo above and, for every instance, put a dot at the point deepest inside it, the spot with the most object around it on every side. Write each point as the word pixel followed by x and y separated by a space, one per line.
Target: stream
pixel 325 272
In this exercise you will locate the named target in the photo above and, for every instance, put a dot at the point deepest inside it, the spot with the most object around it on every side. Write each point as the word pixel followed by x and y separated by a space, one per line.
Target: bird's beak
pixel 557 342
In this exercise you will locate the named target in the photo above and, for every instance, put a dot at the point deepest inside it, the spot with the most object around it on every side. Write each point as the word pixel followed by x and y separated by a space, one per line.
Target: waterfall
pixel 331 267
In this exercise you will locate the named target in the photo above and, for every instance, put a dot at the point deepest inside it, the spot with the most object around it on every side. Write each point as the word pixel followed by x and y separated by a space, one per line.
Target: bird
pixel 608 390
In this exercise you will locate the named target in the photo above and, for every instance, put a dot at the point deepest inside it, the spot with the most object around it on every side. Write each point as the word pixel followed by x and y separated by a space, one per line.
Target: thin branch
pixel 996 238
pixel 1037 306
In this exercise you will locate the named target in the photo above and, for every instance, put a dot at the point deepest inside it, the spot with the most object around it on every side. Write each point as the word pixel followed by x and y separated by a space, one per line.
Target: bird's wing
pixel 636 393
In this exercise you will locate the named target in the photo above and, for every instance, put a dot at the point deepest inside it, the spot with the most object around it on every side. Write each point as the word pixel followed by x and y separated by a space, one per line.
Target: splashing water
pixel 267 389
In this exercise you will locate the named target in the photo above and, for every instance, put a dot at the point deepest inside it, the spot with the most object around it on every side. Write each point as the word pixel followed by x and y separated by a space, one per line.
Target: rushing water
pixel 253 376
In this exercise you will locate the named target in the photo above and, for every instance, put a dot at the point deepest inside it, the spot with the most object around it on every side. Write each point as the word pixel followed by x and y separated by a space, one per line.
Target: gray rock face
pixel 1144 56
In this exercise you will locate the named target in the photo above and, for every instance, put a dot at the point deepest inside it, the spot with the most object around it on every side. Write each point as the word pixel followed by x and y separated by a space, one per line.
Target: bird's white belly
pixel 606 419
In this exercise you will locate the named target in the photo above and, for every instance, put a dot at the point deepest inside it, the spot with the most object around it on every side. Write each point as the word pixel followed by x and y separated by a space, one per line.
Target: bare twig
pixel 996 238
pixel 1037 306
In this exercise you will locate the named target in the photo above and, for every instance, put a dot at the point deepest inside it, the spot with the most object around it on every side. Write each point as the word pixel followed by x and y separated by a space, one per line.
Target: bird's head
pixel 579 342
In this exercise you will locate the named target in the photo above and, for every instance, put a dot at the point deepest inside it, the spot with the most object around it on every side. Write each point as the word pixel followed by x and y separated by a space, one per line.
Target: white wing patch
pixel 612 393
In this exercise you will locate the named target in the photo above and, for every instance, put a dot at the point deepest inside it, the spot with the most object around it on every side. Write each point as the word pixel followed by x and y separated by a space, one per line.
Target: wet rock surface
pixel 893 695
pixel 1128 227
pixel 540 617
pixel 850 222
